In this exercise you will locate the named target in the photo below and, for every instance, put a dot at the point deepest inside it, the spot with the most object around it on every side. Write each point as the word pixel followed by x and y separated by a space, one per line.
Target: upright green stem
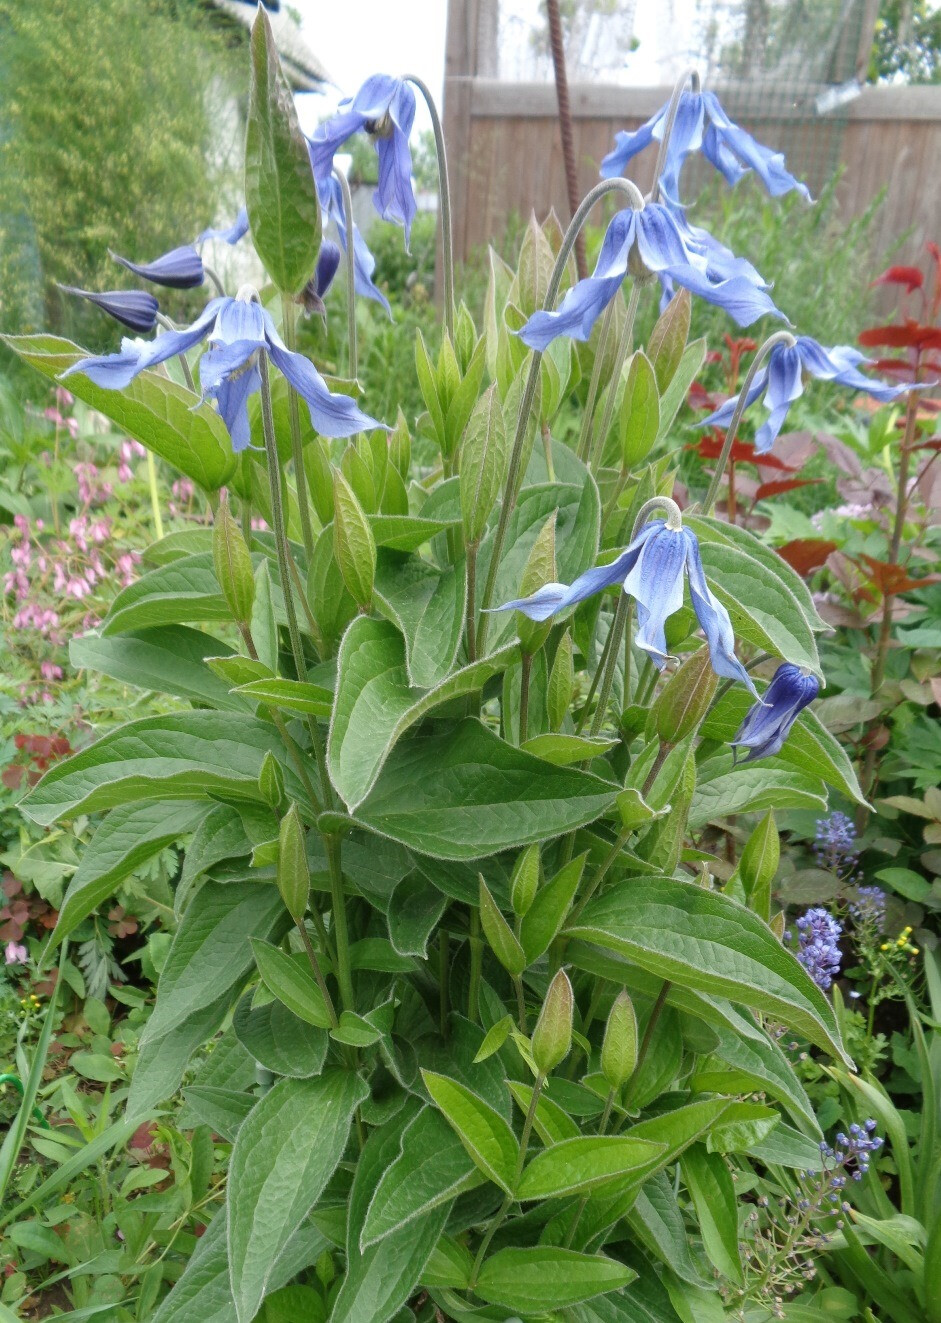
pixel 895 543
pixel 525 676
pixel 620 357
pixel 514 474
pixel 601 874
pixel 508 1201
pixel 154 494
pixel 340 929
pixel 476 966
pixel 287 590
pixel 778 338
pixel 289 325
pixel 444 200
pixel 471 568
pixel 520 1004
pixel 352 367
pixel 583 1202
pixel 444 943
pixel 318 973
pixel 168 325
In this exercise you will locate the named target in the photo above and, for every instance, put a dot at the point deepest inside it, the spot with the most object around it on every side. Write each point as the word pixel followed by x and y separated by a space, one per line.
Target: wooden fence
pixel 506 156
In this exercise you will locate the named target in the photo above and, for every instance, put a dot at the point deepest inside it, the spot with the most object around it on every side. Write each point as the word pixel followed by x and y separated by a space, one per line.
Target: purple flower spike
pixel 134 308
pixel 182 268
pixel 818 936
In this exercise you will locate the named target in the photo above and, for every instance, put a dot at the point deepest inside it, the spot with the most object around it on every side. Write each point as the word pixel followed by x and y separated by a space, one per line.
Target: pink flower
pixel 15 953
pixel 50 671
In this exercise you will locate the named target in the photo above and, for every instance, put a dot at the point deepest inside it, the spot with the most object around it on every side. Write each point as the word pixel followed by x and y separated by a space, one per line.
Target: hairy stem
pixel 352 366
pixel 289 324
pixel 526 671
pixel 340 930
pixel 444 197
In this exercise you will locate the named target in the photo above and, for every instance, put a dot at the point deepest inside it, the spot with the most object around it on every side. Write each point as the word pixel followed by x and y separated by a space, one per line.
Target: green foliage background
pixel 121 129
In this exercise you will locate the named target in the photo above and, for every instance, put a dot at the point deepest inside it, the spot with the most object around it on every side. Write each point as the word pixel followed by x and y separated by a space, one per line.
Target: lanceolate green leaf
pixel 280 192
pixel 184 756
pixel 577 1165
pixel 279 1040
pixel 286 1151
pixel 127 838
pixel 183 591
pixel 432 1168
pixel 467 793
pixel 707 942
pixel 483 1132
pixel 375 704
pixel 152 409
pixel 211 949
pixel 427 605
pixel 750 787
pixel 169 660
pixel 544 1277
pixel 709 1181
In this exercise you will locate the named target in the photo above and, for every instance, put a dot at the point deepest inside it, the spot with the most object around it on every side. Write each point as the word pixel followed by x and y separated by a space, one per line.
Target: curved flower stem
pixel 690 76
pixel 444 197
pixel 778 338
pixel 352 367
pixel 674 522
pixel 620 356
pixel 289 325
pixel 280 538
pixel 635 200
pixel 220 288
pixel 168 325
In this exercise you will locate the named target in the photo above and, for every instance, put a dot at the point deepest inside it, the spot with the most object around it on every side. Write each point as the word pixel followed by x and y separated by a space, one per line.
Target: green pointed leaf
pixel 414 910
pixel 127 838
pixel 380 1278
pixel 286 1151
pixel 500 937
pixel 564 750
pixel 182 592
pixel 483 1132
pixel 668 338
pixel 375 705
pixel 280 1040
pixel 709 943
pixel 169 660
pixel 427 606
pixel 551 1122
pixel 405 532
pixel 153 410
pixel 291 695
pixel 222 1109
pixel 751 787
pixel 543 1278
pixel 280 192
pixel 639 411
pixel 484 456
pixel 544 918
pixel 211 949
pixel 658 1224
pixel 673 398
pixel 709 1181
pixel 432 1168
pixel 577 1165
pixel 186 756
pixel 293 984
pixel 467 793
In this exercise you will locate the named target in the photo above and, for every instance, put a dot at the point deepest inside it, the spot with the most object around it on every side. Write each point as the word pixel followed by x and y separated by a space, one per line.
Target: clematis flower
pixel 653 570
pixel 702 125
pixel 653 240
pixel 780 381
pixel 134 308
pixel 384 108
pixel 328 263
pixel 181 268
pixel 364 264
pixel 239 330
pixel 768 723
pixel 228 234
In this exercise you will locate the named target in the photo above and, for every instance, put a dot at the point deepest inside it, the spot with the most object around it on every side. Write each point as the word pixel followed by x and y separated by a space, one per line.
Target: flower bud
pixel 685 698
pixel 561 682
pixel 233 564
pixel 552 1037
pixel 353 543
pixel 271 781
pixel 293 870
pixel 525 880
pixel 540 570
pixel 619 1049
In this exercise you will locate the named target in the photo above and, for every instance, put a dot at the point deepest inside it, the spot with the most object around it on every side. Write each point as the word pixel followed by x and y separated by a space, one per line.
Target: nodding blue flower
pixel 181 268
pixel 702 125
pixel 780 381
pixel 652 240
pixel 229 234
pixel 768 723
pixel 652 569
pixel 384 108
pixel 818 936
pixel 328 262
pixel 134 308
pixel 239 330
pixel 364 264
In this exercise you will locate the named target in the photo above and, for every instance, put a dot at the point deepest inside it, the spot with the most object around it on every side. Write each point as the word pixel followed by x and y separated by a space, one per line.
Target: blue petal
pixel 784 387
pixel 178 342
pixel 628 145
pixel 768 722
pixel 231 391
pixel 182 268
pixel 110 371
pixel 240 320
pixel 232 233
pixel 327 139
pixel 115 371
pixel 554 597
pixel 656 581
pixel 134 308
pixel 223 361
pixel 744 301
pixel 659 241
pixel 331 415
pixel 723 415
pixel 328 262
pixel 586 300
pixel 394 198
pixel 768 165
pixel 840 365
pixel 364 264
pixel 376 97
pixel 713 619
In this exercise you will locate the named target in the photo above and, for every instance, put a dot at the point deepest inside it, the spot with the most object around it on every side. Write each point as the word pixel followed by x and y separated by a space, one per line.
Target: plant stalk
pixel 352 349
pixel 340 929
pixel 289 325
pixel 444 197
